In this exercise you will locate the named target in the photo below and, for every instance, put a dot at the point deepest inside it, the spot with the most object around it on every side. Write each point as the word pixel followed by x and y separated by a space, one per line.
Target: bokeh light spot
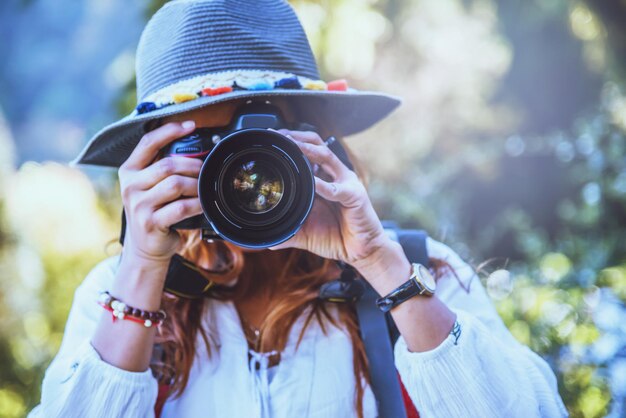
pixel 555 266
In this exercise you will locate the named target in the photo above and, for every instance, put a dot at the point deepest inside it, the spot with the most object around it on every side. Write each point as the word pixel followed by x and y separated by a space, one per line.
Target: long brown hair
pixel 297 281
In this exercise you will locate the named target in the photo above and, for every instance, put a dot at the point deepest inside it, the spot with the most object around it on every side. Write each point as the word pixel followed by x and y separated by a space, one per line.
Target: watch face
pixel 426 278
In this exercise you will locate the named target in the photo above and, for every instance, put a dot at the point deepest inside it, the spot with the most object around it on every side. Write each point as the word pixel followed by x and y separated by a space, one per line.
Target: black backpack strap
pixel 379 350
pixel 413 244
pixel 378 331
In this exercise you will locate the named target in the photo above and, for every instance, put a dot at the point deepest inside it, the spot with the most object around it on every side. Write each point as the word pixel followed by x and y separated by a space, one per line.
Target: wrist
pixel 140 282
pixel 136 257
pixel 386 268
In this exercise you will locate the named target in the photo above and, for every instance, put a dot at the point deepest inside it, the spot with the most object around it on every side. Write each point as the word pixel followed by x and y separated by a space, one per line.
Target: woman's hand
pixel 343 225
pixel 158 194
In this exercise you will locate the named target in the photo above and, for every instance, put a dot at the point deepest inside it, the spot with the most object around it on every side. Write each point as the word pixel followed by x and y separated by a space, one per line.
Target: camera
pixel 255 186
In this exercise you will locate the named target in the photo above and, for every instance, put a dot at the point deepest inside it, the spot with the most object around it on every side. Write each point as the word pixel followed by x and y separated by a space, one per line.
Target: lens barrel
pixel 256 188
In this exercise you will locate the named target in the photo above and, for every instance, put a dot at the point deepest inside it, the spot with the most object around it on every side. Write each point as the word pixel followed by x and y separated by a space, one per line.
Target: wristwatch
pixel 421 282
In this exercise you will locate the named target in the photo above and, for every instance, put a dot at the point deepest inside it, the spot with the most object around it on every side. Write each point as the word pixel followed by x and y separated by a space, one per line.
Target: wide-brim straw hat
pixel 197 53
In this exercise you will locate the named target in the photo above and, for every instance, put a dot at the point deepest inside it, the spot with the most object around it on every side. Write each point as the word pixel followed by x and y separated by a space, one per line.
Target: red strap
pixel 164 390
pixel 411 410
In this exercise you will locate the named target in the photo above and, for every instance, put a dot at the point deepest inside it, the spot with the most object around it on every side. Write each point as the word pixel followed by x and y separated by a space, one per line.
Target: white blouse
pixel 487 373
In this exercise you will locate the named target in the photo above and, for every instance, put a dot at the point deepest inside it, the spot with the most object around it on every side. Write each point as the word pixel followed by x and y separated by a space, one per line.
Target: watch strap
pixel 402 293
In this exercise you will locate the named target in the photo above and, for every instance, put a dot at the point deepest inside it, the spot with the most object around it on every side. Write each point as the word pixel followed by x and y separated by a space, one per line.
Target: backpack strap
pixel 378 331
pixel 375 333
pixel 413 244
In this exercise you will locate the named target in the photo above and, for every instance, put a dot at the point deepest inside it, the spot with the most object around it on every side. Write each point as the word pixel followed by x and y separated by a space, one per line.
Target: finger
pixel 324 157
pixel 309 137
pixel 151 143
pixel 170 189
pixel 176 211
pixel 147 178
pixel 341 193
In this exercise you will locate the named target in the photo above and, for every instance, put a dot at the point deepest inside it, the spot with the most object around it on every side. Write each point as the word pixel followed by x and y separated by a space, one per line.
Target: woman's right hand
pixel 158 194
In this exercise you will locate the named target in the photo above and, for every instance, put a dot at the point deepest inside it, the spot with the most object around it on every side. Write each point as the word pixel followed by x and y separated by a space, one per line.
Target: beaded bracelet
pixel 119 310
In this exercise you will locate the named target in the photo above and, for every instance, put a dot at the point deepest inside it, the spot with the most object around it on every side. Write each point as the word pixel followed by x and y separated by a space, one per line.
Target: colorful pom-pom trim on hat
pixel 216 91
pixel 227 82
pixel 338 85
pixel 184 97
pixel 288 83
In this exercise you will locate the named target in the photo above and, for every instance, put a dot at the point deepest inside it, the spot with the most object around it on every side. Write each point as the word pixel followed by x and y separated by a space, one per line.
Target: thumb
pixel 293 242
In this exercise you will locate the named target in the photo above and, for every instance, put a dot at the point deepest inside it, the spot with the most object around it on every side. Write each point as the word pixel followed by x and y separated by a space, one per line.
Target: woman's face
pixel 211 117
pixel 221 114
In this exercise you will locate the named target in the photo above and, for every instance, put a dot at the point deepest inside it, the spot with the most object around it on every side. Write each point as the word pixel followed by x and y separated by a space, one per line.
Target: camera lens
pixel 256 188
pixel 251 185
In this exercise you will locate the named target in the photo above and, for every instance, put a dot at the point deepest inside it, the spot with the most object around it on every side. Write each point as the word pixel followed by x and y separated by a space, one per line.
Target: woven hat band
pixel 229 81
pixel 187 39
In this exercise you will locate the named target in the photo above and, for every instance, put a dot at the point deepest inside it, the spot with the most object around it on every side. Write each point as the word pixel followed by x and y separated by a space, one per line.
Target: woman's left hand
pixel 343 225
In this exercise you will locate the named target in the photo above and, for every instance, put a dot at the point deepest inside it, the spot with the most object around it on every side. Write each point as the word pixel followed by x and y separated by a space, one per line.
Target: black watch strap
pixel 402 293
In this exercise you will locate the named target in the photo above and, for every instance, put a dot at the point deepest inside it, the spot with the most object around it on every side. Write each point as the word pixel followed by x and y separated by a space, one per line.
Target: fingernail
pixel 189 124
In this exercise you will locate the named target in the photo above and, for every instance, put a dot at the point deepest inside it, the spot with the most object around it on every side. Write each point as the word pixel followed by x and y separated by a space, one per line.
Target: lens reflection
pixel 257 187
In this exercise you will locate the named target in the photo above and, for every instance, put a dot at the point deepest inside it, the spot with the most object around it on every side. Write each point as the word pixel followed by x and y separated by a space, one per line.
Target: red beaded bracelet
pixel 119 310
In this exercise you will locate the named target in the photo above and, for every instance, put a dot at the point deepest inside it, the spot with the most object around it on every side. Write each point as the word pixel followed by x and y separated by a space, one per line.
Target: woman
pixel 265 345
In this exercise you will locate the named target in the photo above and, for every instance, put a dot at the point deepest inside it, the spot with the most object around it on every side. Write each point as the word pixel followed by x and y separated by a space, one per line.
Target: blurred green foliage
pixel 510 146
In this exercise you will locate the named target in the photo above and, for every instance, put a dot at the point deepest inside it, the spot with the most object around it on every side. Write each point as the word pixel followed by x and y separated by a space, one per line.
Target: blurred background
pixel 510 147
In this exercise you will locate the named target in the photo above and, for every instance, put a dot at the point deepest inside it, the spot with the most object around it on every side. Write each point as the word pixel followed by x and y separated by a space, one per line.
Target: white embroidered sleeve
pixel 484 373
pixel 78 383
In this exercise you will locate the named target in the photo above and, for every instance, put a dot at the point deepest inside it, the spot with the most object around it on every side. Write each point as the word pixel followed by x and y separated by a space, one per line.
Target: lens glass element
pixel 256 186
